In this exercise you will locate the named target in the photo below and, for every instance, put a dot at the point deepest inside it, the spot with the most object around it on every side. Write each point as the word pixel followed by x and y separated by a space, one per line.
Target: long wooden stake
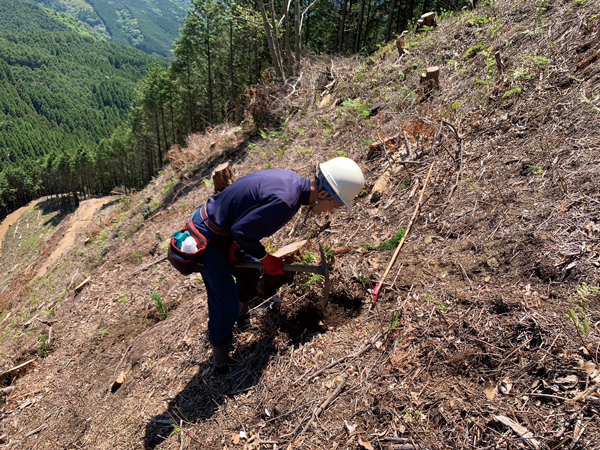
pixel 412 219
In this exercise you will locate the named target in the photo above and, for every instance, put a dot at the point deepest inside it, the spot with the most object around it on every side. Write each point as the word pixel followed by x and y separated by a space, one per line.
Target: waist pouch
pixel 188 263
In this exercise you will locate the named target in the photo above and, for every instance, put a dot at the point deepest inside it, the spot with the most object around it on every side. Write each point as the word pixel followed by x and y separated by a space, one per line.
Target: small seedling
pixel 314 279
pixel 437 303
pixel 104 333
pixel 308 258
pixel 161 307
pixel 43 347
pixel 387 245
pixel 363 280
pixel 512 91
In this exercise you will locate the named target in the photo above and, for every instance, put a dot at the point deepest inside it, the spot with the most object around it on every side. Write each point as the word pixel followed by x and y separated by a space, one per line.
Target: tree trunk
pixel 388 30
pixel 157 124
pixel 297 37
pixel 172 119
pixel 276 39
pixel 367 24
pixel 399 19
pixel 190 104
pixel 348 15
pixel 359 27
pixel 288 48
pixel 270 41
pixel 342 26
pixel 162 118
pixel 231 77
pixel 306 36
pixel 211 111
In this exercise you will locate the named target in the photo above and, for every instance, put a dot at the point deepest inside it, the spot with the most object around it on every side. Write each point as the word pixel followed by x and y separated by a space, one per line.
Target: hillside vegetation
pixel 485 334
pixel 151 26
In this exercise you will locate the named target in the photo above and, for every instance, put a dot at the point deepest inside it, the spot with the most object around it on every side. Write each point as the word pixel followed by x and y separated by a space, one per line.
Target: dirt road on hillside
pixel 12 218
pixel 79 220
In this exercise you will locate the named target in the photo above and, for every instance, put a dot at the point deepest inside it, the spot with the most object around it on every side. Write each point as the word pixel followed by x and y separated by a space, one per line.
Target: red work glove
pixel 232 248
pixel 273 265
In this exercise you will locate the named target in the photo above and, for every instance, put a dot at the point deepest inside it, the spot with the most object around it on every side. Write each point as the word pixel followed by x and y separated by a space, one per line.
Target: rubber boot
pixel 220 359
pixel 243 320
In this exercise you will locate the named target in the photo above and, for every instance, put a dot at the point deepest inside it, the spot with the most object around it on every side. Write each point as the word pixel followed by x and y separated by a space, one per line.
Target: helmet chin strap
pixel 319 179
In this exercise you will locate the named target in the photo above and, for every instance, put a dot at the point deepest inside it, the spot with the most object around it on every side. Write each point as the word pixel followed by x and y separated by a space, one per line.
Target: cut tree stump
pixel 401 45
pixel 426 20
pixel 430 79
pixel 222 177
pixel 429 19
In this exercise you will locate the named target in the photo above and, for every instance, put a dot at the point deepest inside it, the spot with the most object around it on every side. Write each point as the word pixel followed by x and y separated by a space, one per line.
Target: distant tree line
pixel 61 94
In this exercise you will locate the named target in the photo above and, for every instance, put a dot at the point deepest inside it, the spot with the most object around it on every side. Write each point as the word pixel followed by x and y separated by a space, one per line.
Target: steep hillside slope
pixel 485 334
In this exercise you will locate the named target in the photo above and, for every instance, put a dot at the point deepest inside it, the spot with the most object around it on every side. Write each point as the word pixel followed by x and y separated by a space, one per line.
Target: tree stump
pixel 381 185
pixel 222 177
pixel 429 19
pixel 430 80
pixel 401 45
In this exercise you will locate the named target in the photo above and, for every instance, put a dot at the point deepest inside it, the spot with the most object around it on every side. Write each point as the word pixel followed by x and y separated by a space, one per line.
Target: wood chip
pixel 365 444
pixel 520 430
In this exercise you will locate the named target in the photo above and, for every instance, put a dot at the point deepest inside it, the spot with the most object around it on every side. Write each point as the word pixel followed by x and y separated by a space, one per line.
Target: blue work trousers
pixel 224 292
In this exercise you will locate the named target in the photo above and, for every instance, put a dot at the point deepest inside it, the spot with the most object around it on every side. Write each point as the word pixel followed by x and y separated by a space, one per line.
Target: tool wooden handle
pixel 287 267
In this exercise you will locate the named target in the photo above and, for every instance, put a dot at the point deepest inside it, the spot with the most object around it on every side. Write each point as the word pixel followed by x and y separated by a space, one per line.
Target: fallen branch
pixel 37 430
pixel 147 266
pixel 16 368
pixel 294 86
pixel 589 391
pixel 326 403
pixel 82 285
pixel 458 158
pixel 412 219
pixel 363 349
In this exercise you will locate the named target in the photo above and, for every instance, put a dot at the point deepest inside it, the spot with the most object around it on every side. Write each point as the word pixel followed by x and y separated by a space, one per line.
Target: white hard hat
pixel 345 178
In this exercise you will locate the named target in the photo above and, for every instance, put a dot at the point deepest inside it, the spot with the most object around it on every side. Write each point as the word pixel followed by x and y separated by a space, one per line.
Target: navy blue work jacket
pixel 256 206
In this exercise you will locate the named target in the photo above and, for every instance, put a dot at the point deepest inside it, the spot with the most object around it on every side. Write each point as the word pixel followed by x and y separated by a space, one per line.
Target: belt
pixel 210 224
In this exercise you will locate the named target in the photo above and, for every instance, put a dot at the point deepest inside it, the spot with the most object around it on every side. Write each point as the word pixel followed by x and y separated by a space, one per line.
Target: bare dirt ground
pixel 80 220
pixel 11 219
pixel 486 334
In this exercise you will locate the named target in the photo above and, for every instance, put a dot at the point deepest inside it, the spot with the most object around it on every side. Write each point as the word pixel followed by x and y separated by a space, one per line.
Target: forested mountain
pixel 149 25
pixel 61 93
pixel 16 15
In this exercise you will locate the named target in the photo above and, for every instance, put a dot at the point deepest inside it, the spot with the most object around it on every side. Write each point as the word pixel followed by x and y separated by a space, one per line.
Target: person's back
pixel 257 206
